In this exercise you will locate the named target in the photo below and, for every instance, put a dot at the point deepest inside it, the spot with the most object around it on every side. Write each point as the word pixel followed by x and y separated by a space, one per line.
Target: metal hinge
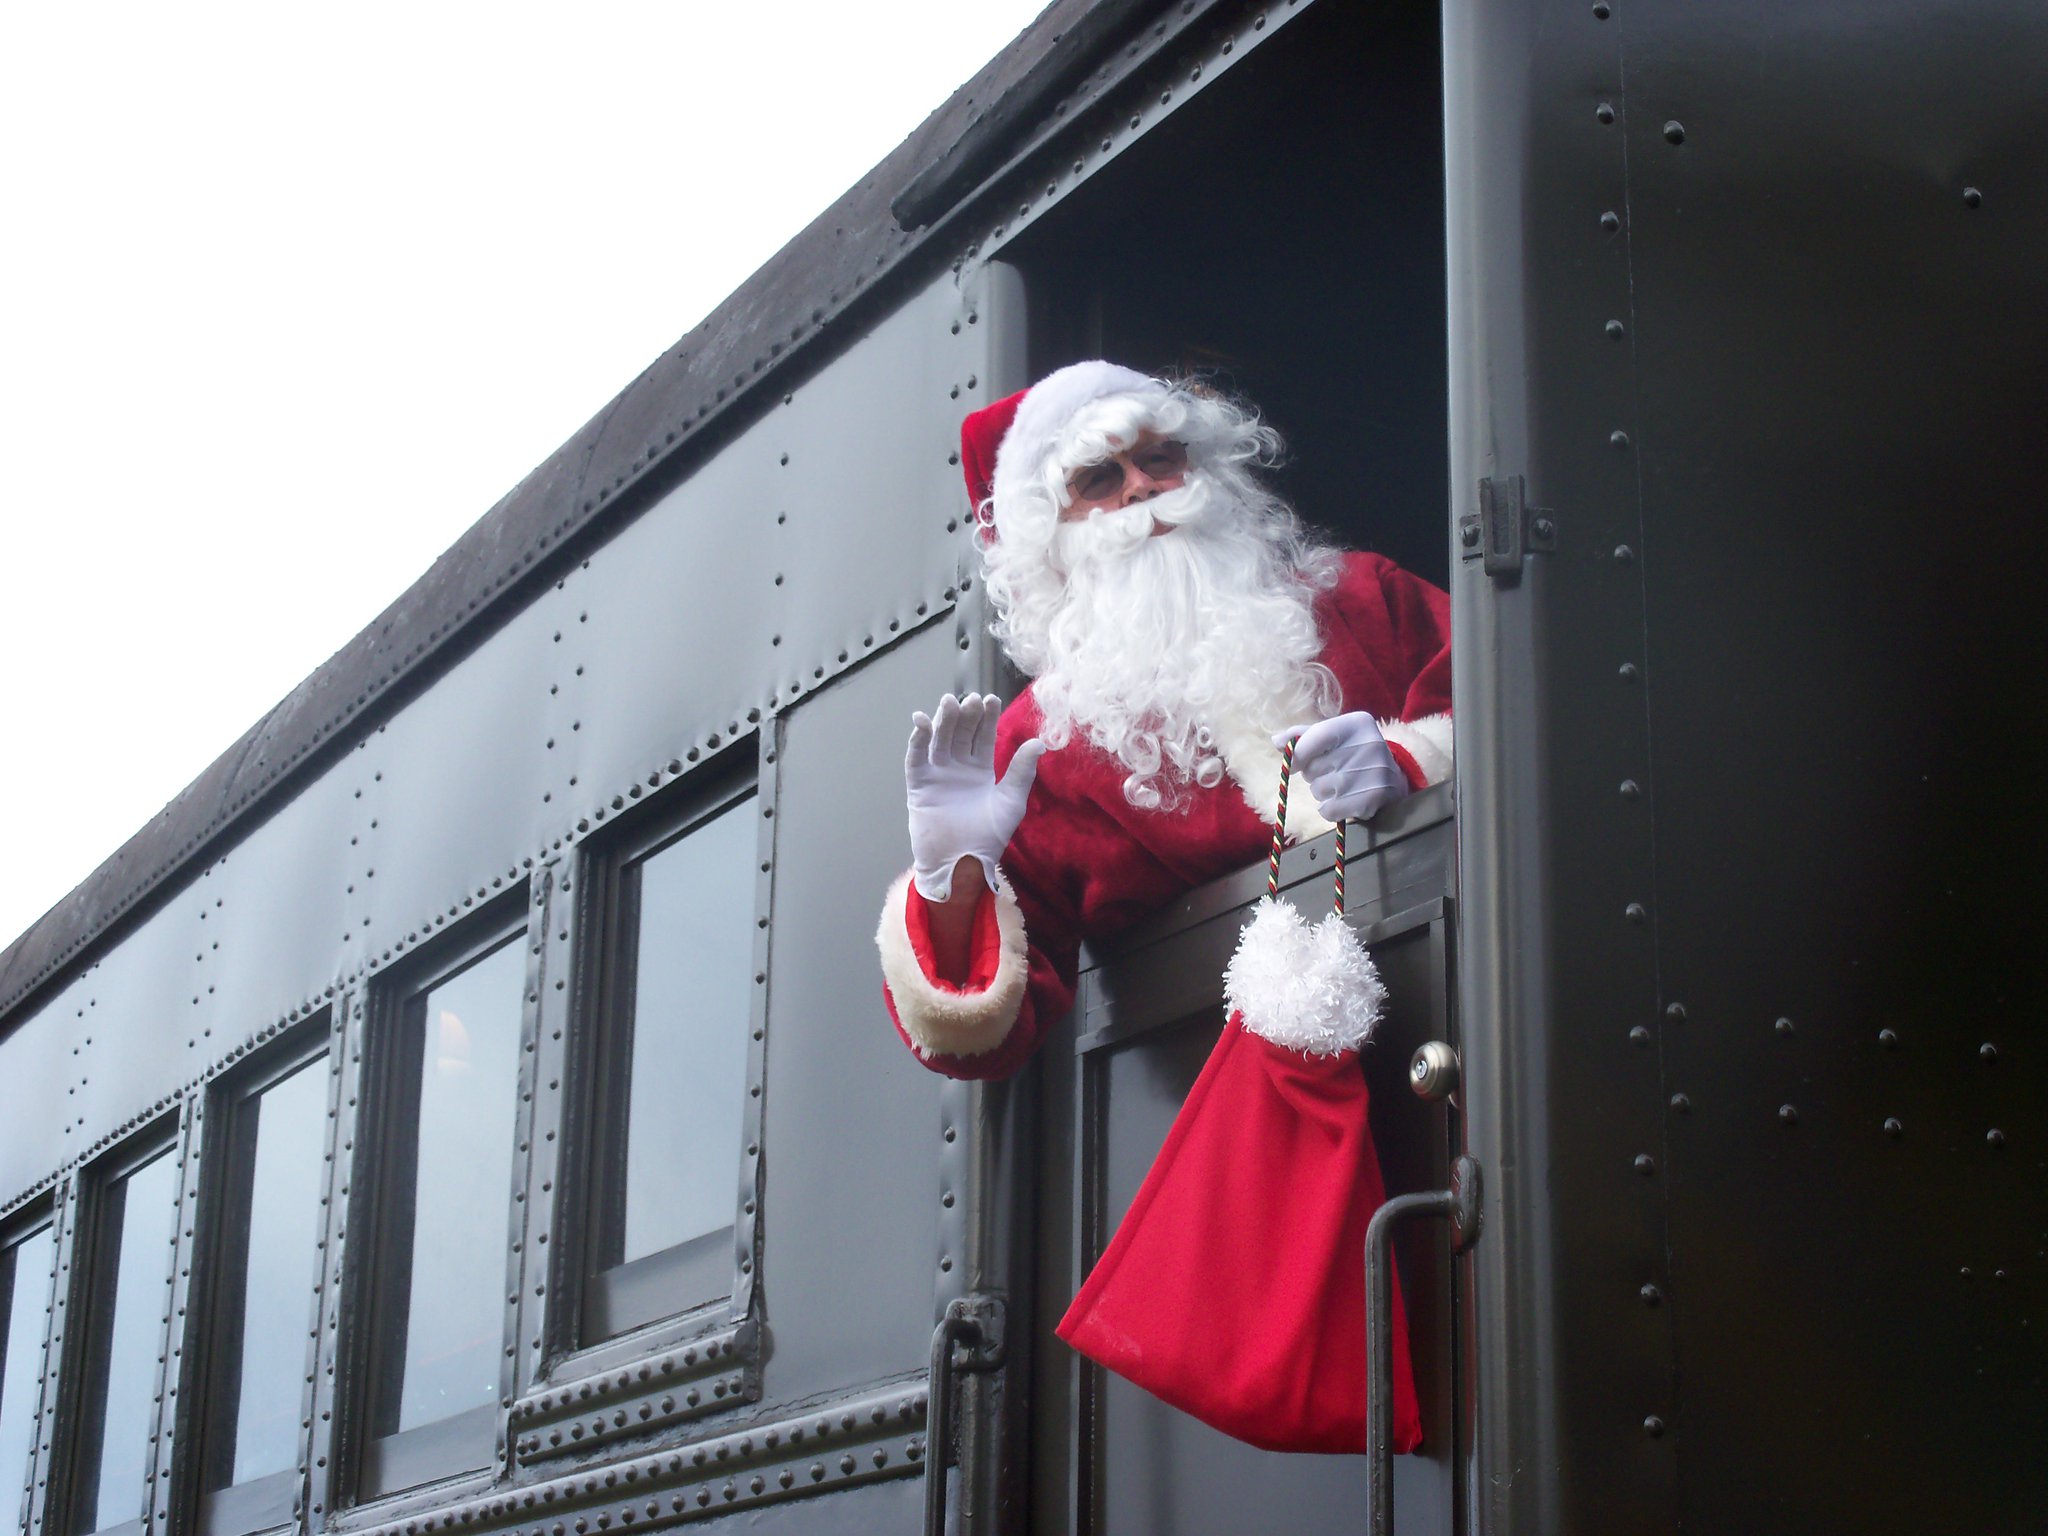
pixel 1506 528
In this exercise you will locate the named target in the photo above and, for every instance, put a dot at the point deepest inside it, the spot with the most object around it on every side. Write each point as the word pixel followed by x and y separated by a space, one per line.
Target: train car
pixel 478 1110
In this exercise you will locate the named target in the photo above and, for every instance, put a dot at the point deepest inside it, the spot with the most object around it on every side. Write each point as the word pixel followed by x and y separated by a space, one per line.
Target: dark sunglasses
pixel 1158 461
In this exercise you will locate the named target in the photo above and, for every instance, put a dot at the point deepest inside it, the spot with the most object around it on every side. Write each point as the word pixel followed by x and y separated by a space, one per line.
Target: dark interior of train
pixel 1284 235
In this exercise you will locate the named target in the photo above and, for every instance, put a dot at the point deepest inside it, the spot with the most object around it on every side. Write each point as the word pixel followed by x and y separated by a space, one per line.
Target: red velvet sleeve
pixel 1420 617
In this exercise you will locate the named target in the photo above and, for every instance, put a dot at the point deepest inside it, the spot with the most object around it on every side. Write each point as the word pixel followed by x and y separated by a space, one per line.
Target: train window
pixel 264 1225
pixel 133 1219
pixel 25 1263
pixel 447 1048
pixel 673 923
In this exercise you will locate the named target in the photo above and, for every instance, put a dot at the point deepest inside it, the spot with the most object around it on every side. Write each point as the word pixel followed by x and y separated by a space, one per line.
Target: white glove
pixel 957 808
pixel 1345 763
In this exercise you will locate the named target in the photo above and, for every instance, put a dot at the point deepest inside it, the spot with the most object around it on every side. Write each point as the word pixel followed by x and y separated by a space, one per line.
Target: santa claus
pixel 1179 626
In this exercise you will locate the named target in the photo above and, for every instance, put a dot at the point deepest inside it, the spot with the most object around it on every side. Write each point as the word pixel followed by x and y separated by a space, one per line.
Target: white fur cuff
pixel 939 1021
pixel 1427 740
pixel 1311 989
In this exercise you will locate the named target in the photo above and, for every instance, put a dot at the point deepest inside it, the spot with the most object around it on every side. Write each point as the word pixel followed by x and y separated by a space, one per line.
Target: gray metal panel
pixel 1834 443
pixel 854 1129
pixel 1574 1376
pixel 810 542
pixel 272 911
pixel 876 1507
pixel 447 795
pixel 143 1018
pixel 37 1134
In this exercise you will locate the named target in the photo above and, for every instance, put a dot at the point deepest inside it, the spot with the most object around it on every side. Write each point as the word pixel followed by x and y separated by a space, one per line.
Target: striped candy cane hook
pixel 1279 822
pixel 1280 836
pixel 1338 905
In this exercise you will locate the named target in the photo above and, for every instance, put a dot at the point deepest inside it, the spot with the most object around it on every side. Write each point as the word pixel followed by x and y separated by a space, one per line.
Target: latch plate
pixel 981 1341
pixel 1506 528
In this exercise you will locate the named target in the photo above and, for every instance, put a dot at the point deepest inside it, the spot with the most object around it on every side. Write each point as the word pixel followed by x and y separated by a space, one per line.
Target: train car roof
pixel 826 281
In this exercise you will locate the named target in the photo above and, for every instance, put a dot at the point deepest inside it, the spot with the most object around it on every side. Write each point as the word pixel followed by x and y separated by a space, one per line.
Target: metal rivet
pixel 1604 112
pixel 1468 535
pixel 1618 439
pixel 1639 1035
pixel 1645 1164
pixel 1651 1295
pixel 1995 1137
pixel 1610 221
pixel 1972 197
pixel 1888 1038
pixel 1788 1114
pixel 1987 1051
pixel 1626 672
pixel 1616 330
pixel 1674 132
pixel 1675 1012
pixel 1783 1027
pixel 1894 1127
pixel 1635 912
pixel 1653 1427
pixel 1631 790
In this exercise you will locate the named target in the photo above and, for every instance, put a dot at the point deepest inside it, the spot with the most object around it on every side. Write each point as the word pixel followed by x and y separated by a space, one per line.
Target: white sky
pixel 290 295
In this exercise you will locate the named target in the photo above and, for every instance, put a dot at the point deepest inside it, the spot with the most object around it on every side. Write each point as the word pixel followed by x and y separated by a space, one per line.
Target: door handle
pixel 1461 1204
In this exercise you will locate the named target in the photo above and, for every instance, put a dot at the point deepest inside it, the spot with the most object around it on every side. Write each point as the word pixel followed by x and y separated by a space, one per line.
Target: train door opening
pixel 1283 236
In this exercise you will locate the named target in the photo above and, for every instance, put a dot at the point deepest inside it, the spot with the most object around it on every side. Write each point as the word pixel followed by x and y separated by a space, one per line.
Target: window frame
pixel 95 1267
pixel 227 1167
pixel 601 1307
pixel 658 1378
pixel 374 1288
pixel 39 1215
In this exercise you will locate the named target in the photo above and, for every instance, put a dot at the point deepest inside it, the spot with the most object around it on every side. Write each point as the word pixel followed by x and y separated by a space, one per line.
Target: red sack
pixel 1235 1287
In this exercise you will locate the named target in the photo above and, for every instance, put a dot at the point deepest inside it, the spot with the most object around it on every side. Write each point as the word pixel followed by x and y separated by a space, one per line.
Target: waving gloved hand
pixel 958 808
pixel 1345 763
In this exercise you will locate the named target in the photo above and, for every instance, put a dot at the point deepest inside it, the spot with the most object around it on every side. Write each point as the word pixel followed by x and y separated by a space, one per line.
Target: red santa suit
pixel 1085 862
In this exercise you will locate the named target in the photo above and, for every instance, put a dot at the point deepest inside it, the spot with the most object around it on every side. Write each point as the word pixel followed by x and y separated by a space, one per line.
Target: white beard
pixel 1181 654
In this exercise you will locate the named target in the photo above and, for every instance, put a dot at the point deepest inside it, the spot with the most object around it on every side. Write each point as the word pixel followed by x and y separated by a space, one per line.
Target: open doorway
pixel 1282 234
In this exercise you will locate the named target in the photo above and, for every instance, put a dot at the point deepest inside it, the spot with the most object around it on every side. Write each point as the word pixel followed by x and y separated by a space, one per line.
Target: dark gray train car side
pixel 1698 350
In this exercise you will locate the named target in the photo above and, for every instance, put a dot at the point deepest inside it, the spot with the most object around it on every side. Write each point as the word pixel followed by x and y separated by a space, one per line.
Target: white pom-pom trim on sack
pixel 1310 989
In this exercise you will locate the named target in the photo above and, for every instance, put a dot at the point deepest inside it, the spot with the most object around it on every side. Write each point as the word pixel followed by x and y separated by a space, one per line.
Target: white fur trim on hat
pixel 940 1021
pixel 1310 989
pixel 1427 740
pixel 1046 409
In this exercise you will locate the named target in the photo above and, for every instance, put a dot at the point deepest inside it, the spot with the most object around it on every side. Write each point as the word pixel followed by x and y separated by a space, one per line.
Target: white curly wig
pixel 1180 654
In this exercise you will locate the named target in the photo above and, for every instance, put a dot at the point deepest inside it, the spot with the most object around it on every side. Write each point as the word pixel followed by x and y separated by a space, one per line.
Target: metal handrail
pixel 1461 1204
pixel 972 1326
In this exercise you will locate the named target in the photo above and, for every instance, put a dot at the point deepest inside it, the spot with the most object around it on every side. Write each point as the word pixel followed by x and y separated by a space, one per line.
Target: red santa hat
pixel 1005 446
